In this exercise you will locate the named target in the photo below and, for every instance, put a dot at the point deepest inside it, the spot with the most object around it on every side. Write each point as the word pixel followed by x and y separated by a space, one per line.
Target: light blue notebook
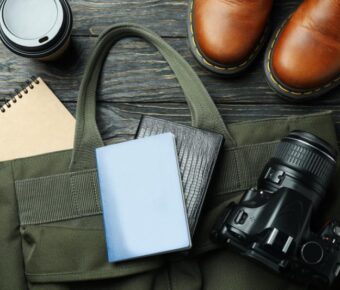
pixel 142 197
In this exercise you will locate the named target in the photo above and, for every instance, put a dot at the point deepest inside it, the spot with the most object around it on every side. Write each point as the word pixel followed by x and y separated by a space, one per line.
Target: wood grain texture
pixel 166 17
pixel 120 120
pixel 136 79
pixel 136 72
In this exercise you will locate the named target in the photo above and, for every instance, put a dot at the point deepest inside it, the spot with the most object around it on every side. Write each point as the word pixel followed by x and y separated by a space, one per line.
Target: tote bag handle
pixel 87 137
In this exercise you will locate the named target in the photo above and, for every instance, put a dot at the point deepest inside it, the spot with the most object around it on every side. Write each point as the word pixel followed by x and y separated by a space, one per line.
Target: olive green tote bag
pixel 51 230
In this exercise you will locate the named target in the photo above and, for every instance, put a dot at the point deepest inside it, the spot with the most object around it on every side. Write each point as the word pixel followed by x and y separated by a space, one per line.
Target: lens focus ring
pixel 305 158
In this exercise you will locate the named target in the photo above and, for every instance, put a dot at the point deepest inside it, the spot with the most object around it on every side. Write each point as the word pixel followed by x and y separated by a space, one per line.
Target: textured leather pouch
pixel 198 151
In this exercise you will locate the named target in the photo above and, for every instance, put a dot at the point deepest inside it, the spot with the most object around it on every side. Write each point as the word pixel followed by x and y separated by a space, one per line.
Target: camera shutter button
pixel 312 253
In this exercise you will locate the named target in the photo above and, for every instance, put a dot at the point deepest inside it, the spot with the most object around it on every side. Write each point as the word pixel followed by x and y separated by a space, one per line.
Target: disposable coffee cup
pixel 38 29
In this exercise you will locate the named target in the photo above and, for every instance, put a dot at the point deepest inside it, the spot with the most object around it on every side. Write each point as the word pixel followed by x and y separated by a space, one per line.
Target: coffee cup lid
pixel 34 27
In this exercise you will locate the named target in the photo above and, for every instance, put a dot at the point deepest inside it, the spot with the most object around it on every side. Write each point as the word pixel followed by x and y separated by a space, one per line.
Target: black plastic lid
pixel 35 28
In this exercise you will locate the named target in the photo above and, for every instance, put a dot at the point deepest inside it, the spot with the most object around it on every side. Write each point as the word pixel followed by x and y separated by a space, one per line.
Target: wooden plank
pixel 166 17
pixel 135 72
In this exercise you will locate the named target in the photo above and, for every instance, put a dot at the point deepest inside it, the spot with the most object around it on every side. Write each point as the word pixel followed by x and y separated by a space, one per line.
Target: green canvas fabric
pixel 51 230
pixel 76 194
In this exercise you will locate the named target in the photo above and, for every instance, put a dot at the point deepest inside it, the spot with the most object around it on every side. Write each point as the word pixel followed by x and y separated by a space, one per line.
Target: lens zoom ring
pixel 305 159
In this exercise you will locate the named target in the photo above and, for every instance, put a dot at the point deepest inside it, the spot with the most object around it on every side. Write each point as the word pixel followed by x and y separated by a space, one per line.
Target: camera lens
pixel 305 162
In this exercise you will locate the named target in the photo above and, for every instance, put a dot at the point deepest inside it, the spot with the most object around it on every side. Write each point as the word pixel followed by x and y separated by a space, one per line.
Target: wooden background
pixel 136 79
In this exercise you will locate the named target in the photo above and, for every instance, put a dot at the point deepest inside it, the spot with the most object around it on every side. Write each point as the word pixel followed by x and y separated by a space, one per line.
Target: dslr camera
pixel 272 222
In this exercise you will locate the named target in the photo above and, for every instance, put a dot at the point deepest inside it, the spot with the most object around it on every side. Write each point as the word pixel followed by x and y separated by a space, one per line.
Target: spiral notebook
pixel 34 122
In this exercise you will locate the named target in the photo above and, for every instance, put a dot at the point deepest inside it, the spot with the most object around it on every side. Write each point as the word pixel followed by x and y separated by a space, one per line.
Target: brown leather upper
pixel 227 31
pixel 307 52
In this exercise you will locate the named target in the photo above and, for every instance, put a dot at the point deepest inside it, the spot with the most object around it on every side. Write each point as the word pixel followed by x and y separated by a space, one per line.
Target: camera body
pixel 272 222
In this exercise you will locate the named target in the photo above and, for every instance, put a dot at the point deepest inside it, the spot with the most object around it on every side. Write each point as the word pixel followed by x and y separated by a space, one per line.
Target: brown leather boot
pixel 226 35
pixel 303 58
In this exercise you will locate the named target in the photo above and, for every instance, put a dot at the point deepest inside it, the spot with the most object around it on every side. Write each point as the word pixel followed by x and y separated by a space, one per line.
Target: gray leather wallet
pixel 198 151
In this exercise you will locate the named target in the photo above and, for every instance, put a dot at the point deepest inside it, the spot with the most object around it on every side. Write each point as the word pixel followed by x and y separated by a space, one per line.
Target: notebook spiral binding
pixel 19 93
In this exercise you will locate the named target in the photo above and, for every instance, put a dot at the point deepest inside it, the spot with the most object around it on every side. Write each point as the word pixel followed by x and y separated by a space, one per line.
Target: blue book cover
pixel 142 197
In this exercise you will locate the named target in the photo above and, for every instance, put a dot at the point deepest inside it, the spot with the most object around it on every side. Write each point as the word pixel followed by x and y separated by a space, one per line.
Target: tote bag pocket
pixel 62 231
pixel 66 253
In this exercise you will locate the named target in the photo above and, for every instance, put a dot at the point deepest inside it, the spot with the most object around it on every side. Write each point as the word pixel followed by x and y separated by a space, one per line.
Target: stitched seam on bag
pixel 121 266
pixel 38 178
pixel 237 169
pixel 246 62
pixel 75 216
pixel 71 228
pixel 251 145
pixel 70 217
pixel 272 77
pixel 96 193
pixel 318 115
pixel 74 196
pixel 46 156
pixel 55 175
pixel 93 187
